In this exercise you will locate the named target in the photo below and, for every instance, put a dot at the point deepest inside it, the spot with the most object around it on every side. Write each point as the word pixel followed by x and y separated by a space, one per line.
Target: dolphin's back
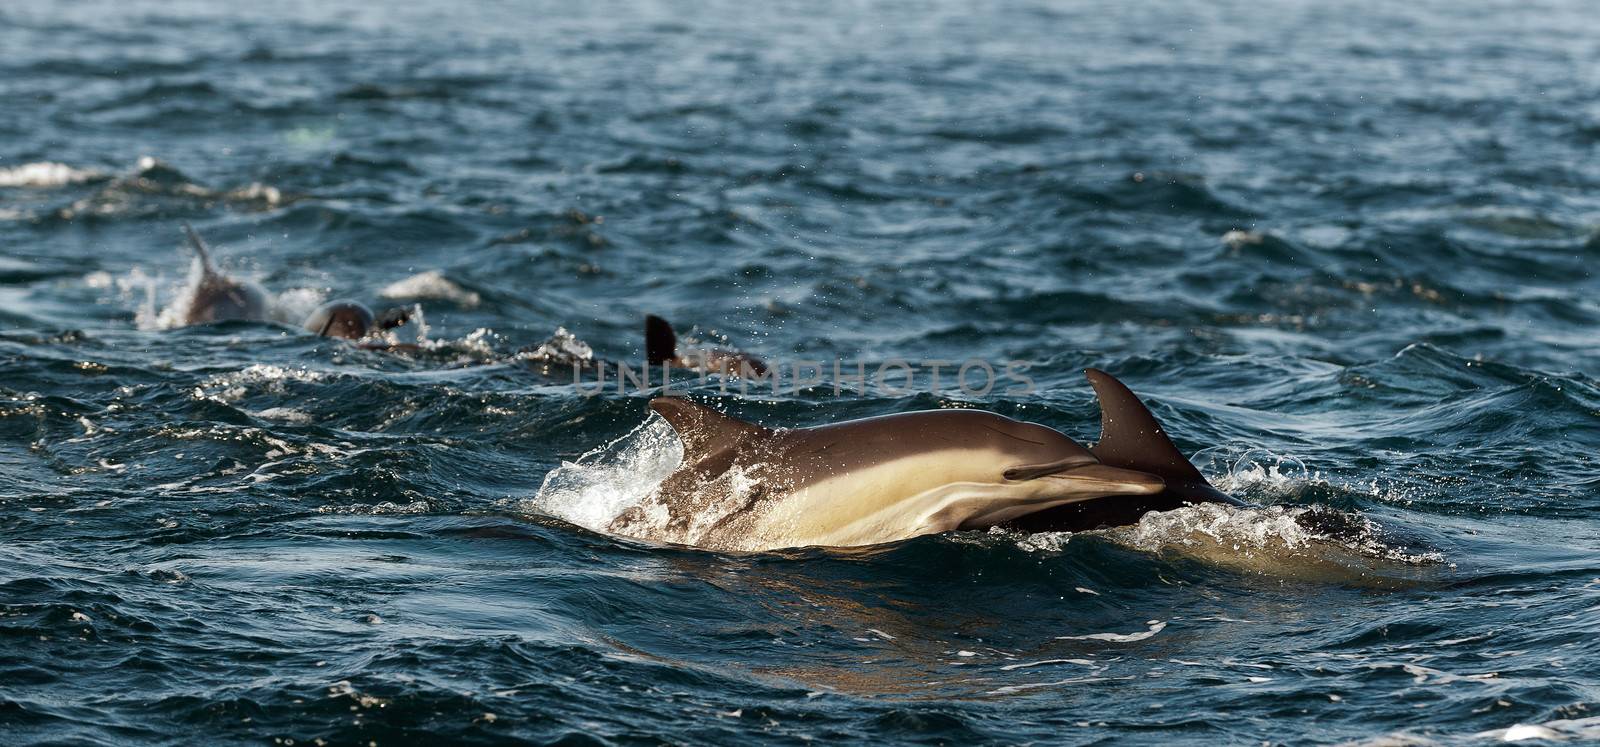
pixel 220 298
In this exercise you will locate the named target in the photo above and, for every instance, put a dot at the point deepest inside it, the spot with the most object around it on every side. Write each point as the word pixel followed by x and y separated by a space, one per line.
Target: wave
pixel 156 189
pixel 229 388
pixel 44 174
pixel 1584 730
pixel 1308 543
pixel 431 285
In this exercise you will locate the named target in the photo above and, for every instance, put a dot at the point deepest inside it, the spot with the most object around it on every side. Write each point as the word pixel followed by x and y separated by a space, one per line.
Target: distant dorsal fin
pixel 660 342
pixel 702 429
pixel 200 248
pixel 1131 438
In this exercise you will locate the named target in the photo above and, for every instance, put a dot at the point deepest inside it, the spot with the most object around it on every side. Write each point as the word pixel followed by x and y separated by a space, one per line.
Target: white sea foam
pixel 143 293
pixel 46 174
pixel 284 414
pixel 255 192
pixel 480 343
pixel 477 346
pixel 1520 732
pixel 1583 730
pixel 372 509
pixel 1269 532
pixel 1047 662
pixel 292 306
pixel 1244 530
pixel 1010 689
pixel 1156 626
pixel 1274 539
pixel 561 347
pixel 151 183
pixel 1238 239
pixel 430 285
pixel 258 378
pixel 1044 542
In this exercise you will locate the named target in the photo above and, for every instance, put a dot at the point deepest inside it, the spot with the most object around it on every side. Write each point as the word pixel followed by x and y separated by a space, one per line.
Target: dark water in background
pixel 1358 239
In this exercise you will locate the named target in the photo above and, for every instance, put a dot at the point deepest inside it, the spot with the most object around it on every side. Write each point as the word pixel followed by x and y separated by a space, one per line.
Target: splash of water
pixel 1239 469
pixel 295 304
pixel 593 489
pixel 160 302
pixel 561 347
pixel 419 324
pixel 1310 543
pixel 232 386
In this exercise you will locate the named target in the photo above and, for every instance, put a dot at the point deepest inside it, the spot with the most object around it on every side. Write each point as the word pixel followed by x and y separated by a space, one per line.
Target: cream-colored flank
pixel 925 493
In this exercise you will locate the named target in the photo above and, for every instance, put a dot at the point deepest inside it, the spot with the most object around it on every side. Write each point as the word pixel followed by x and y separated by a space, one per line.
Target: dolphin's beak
pixel 1098 480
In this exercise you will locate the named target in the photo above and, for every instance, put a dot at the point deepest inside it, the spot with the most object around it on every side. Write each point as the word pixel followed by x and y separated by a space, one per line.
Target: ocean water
pixel 1346 252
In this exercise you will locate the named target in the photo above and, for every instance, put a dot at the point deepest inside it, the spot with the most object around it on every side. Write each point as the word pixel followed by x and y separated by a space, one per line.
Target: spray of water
pixel 591 490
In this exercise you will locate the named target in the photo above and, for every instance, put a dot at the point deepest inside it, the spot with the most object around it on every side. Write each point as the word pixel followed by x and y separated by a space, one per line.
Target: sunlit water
pixel 1345 251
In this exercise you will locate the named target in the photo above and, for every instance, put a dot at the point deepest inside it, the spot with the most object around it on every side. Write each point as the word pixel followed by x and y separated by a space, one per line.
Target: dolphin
pixel 218 297
pixel 661 346
pixel 745 487
pixel 352 320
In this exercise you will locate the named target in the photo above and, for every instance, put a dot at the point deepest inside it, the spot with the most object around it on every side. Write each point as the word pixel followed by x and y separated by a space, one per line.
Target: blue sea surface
pixel 1346 251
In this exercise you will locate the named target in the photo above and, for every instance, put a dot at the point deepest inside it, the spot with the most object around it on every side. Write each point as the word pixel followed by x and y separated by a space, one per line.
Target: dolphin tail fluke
pixel 703 430
pixel 1131 438
pixel 660 342
pixel 200 249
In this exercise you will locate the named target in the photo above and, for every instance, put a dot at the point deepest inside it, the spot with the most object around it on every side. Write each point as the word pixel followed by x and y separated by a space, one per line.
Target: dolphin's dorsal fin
pixel 1131 438
pixel 206 268
pixel 702 429
pixel 660 342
